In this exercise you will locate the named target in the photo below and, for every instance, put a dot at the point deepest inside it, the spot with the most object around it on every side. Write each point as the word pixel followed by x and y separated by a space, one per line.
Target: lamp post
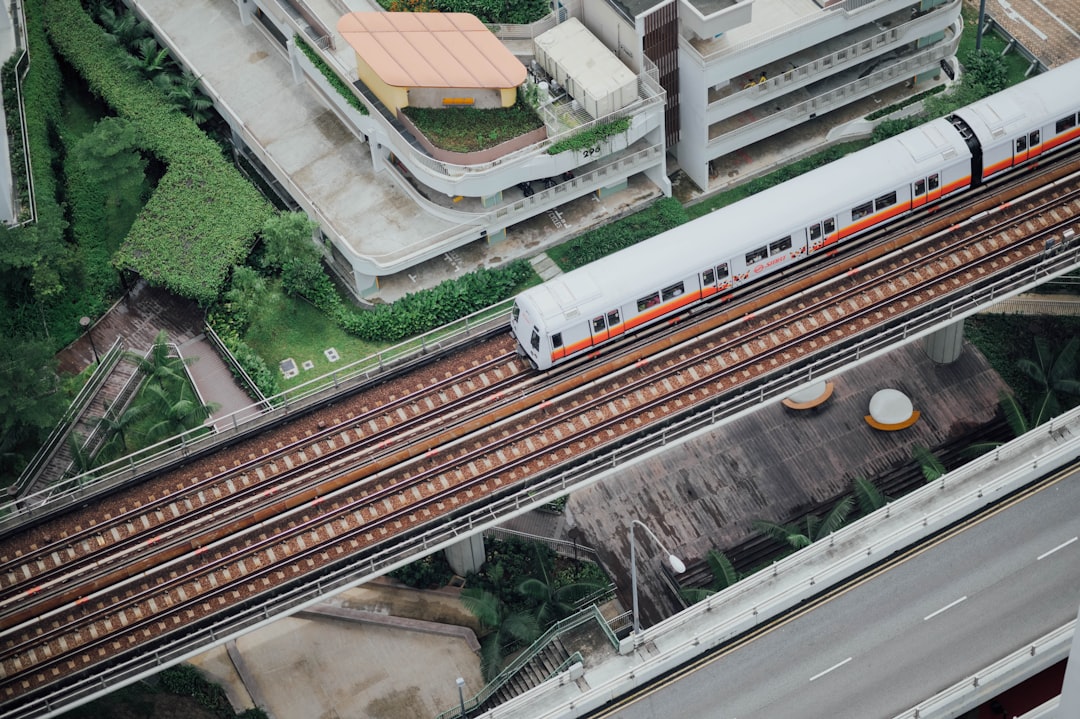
pixel 674 561
pixel 85 324
pixel 461 694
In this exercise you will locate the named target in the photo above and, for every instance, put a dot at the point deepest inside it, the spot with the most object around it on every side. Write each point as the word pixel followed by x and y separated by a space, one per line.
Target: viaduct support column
pixel 945 345
pixel 467 555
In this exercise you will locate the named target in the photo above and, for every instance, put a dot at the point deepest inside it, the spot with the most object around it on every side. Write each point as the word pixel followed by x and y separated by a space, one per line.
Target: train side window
pixel 556 340
pixel 885 201
pixel 673 291
pixel 1033 138
pixel 1021 144
pixel 781 245
pixel 1065 123
pixel 516 312
pixel 648 301
pixel 756 255
pixel 708 277
pixel 535 339
pixel 932 182
pixel 861 211
pixel 598 324
pixel 722 271
pixel 829 225
pixel 613 318
pixel 920 187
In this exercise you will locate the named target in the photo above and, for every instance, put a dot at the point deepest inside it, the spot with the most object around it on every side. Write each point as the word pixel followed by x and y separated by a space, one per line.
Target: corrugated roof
pixel 431 49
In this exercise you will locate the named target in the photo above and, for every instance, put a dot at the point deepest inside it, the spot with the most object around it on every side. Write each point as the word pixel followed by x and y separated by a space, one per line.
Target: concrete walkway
pixel 138 317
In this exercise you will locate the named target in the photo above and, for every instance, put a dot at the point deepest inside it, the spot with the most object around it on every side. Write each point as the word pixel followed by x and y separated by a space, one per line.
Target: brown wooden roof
pixel 431 50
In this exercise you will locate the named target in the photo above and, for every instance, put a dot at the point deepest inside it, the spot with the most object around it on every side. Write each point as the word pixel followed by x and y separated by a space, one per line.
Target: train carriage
pixel 738 244
pixel 1020 124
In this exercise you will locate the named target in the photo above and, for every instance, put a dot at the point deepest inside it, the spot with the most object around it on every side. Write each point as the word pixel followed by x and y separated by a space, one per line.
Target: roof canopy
pixel 431 50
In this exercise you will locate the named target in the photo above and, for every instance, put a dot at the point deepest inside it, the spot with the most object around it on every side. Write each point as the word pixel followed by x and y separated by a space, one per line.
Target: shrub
pixel 592 245
pixel 591 137
pixel 331 77
pixel 203 215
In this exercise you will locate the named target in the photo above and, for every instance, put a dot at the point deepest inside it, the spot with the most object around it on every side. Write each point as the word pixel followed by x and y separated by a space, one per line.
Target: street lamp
pixel 461 694
pixel 674 561
pixel 85 324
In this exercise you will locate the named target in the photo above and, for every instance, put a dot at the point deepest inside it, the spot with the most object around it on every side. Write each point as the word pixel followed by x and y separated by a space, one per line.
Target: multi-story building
pixel 738 71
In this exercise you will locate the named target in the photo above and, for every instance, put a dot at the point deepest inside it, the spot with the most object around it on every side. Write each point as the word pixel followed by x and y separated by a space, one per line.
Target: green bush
pixel 662 215
pixel 331 77
pixel 431 572
pixel 904 103
pixel 203 215
pixel 591 137
pixel 186 680
pixel 265 379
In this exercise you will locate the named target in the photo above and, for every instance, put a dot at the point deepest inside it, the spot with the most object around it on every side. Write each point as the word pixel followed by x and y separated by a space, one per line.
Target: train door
pixel 708 282
pixel 1034 143
pixel 821 234
pixel 933 187
pixel 614 323
pixel 1020 149
pixel 599 329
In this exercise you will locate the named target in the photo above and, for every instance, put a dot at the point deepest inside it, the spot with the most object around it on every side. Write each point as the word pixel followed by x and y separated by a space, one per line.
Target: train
pixel 572 314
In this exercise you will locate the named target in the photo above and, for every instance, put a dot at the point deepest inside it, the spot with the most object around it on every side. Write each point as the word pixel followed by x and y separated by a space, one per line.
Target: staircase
pixel 550 660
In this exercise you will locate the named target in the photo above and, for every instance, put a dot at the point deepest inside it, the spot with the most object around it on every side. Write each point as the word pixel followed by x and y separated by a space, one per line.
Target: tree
pixel 809 529
pixel 868 497
pixel 554 601
pixel 931 466
pixel 246 294
pixel 1052 375
pixel 175 411
pixel 287 238
pixel 149 59
pixel 124 26
pixel 160 365
pixel 31 402
pixel 504 627
pixel 109 154
pixel 185 95
pixel 724 575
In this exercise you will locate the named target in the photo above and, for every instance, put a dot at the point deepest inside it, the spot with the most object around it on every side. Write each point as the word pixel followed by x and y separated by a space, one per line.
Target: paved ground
pixel 320 668
pixel 139 316
pixel 1049 29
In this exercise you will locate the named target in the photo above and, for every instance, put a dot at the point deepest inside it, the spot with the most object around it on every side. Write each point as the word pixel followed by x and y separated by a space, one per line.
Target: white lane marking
pixel 834 666
pixel 1044 555
pixel 948 606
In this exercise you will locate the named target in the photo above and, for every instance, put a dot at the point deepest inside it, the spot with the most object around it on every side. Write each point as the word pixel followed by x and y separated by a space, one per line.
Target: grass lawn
pixel 993 43
pixel 290 327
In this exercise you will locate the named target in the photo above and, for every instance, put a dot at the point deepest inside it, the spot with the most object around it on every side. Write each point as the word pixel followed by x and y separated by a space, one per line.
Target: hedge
pixel 662 215
pixel 203 216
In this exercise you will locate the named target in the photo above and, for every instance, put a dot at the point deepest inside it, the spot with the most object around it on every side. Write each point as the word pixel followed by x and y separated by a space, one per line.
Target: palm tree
pixel 124 26
pixel 809 529
pixel 554 602
pixel 176 412
pixel 1053 375
pixel 931 466
pixel 159 365
pixel 149 59
pixel 724 575
pixel 868 497
pixel 116 428
pixel 185 95
pixel 504 627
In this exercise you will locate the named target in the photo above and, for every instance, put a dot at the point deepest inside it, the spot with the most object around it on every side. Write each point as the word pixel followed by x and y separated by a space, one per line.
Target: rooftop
pixel 431 49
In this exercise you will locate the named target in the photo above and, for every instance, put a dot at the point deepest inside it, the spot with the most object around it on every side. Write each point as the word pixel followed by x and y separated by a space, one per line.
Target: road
pixel 895 639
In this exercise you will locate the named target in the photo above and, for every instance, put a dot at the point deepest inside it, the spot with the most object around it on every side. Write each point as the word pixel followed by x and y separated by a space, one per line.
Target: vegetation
pixel 724 575
pixel 203 215
pixel 662 215
pixel 331 77
pixel 468 129
pixel 430 572
pixel 518 12
pixel 591 137
pixel 186 680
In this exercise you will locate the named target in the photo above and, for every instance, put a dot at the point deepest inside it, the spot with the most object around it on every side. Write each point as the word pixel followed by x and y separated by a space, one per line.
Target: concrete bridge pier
pixel 945 345
pixel 467 555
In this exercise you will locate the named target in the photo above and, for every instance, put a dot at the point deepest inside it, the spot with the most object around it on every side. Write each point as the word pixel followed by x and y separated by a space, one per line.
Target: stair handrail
pixel 586 615
pixel 70 418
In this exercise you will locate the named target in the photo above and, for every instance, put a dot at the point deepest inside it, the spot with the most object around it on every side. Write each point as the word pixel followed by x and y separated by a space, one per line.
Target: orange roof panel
pixel 431 50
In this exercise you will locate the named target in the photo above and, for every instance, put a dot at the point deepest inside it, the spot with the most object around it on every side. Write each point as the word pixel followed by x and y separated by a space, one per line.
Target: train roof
pixel 1008 113
pixel 766 216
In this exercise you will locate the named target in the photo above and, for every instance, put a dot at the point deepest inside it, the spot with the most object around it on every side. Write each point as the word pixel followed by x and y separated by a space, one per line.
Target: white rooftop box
pixel 591 73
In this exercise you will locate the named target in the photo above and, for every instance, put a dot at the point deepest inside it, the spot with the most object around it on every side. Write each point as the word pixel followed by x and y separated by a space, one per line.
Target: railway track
pixel 385 470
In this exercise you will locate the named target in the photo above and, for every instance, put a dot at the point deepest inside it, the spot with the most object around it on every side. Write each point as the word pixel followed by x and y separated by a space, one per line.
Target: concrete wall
pixel 483 98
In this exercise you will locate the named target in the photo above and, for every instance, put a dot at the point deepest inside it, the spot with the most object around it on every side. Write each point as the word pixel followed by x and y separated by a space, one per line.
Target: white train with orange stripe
pixel 575 312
